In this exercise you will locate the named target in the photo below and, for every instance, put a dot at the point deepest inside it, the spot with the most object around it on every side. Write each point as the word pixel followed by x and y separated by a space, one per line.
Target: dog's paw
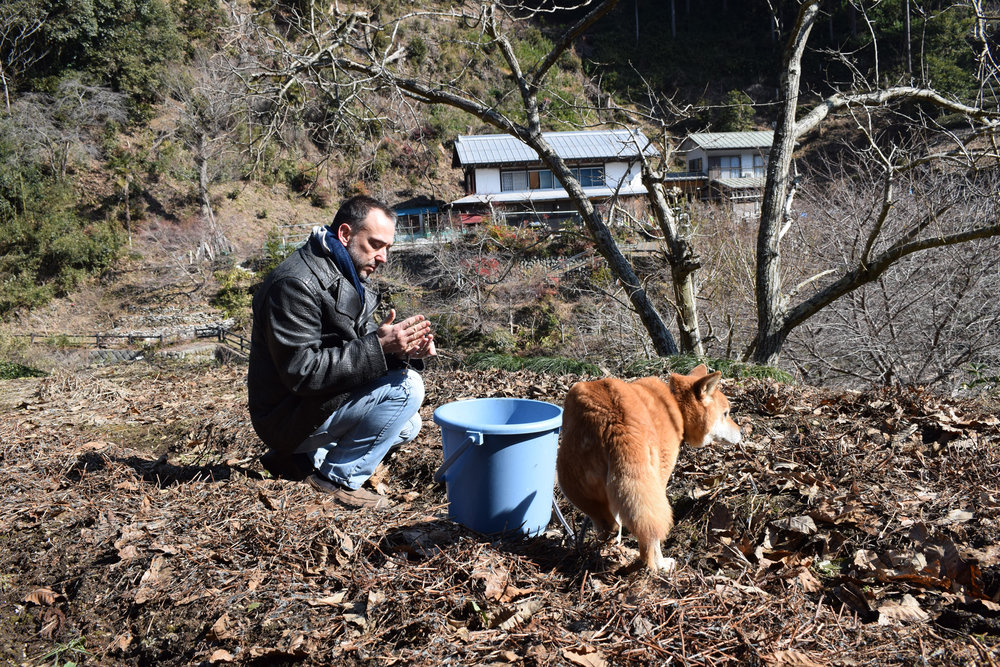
pixel 667 565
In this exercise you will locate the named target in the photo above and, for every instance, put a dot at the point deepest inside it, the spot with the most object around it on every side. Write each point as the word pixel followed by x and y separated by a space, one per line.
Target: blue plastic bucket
pixel 499 463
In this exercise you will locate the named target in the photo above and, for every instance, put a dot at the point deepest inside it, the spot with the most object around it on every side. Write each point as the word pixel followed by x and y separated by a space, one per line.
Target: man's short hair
pixel 353 211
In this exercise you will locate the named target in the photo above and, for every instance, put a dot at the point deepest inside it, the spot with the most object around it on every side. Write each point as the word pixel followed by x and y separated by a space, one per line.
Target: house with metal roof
pixel 505 178
pixel 733 165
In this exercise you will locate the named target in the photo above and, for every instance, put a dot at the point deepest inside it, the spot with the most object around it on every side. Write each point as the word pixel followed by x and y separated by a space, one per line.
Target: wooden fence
pixel 224 336
pixel 105 340
pixel 98 340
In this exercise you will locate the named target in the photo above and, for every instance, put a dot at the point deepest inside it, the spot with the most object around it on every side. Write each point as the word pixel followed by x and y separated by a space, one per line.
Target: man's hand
pixel 411 337
pixel 425 348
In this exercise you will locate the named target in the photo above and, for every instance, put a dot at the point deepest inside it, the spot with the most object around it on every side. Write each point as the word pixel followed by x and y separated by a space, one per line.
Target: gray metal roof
pixel 713 141
pixel 504 149
pixel 754 182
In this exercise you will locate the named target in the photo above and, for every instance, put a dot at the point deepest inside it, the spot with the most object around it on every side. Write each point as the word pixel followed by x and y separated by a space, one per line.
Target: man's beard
pixel 357 259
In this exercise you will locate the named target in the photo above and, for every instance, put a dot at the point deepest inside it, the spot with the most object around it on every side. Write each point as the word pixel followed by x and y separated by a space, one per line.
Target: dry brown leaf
pixel 328 600
pixel 792 659
pixel 955 516
pixel 53 621
pixel 220 630
pixel 128 552
pixel 379 477
pixel 810 583
pixel 121 642
pixel 93 446
pixel 157 572
pixel 200 594
pixel 221 655
pixel 157 576
pixel 908 611
pixel 867 559
pixel 512 592
pixel 44 596
pixel 803 525
pixel 357 614
pixel 512 617
pixel 585 656
pixel 269 502
pixel 255 581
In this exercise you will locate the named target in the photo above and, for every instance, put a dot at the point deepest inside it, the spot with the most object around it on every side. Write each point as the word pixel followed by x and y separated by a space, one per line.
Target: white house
pixel 733 164
pixel 506 179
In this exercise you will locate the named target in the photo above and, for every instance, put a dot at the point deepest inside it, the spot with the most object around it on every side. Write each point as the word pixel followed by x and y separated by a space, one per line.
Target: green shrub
pixel 548 365
pixel 13 364
pixel 234 296
pixel 737 113
pixel 10 370
pixel 48 249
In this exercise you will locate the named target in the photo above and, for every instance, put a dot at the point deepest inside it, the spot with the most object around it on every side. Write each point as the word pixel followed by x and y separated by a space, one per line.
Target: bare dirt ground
pixel 138 528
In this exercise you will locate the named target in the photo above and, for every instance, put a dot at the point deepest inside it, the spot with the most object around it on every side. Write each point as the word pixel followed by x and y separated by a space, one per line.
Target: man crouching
pixel 327 385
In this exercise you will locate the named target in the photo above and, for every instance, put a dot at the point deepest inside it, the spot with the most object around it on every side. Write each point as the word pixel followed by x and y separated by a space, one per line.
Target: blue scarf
pixel 338 253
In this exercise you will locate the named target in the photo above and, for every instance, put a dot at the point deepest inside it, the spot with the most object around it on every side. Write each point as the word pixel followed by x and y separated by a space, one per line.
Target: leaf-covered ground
pixel 137 527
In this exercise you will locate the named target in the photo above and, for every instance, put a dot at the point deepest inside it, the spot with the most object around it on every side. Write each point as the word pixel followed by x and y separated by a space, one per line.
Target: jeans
pixel 376 418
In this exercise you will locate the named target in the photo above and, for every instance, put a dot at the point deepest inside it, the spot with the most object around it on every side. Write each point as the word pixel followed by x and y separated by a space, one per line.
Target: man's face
pixel 369 245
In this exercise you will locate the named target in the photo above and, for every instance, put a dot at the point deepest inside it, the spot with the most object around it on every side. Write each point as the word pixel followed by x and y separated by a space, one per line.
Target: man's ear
pixel 344 233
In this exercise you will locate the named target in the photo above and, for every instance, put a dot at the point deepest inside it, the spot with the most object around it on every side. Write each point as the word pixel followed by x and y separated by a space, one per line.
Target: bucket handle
pixel 474 438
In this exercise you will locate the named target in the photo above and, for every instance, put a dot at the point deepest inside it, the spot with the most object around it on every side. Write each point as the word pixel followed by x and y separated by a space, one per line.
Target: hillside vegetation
pixel 131 179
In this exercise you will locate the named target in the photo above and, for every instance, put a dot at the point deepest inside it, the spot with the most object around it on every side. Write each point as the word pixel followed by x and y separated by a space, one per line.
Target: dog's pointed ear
pixel 701 370
pixel 704 387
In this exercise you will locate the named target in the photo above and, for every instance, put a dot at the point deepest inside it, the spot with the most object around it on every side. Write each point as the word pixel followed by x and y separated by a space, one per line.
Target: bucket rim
pixel 549 424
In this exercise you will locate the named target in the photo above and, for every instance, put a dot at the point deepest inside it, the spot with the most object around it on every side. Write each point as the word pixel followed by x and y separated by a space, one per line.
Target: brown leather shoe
pixel 354 499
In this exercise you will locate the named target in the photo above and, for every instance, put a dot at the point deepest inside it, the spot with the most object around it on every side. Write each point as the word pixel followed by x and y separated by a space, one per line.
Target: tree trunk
pixel 771 332
pixel 128 208
pixel 683 265
pixel 663 342
pixel 202 163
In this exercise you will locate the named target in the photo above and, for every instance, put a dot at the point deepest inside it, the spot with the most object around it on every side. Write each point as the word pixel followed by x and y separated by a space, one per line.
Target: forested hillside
pixel 164 147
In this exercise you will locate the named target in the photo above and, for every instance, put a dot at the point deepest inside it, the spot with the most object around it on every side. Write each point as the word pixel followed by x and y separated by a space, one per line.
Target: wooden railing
pixel 99 340
pixel 104 340
pixel 224 336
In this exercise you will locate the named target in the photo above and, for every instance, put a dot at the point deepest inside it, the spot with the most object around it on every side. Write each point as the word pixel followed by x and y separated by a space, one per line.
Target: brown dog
pixel 619 445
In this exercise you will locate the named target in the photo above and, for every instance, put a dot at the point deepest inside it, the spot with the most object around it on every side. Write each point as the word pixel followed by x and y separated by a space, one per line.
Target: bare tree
pixel 928 318
pixel 65 126
pixel 886 240
pixel 21 22
pixel 348 55
pixel 205 100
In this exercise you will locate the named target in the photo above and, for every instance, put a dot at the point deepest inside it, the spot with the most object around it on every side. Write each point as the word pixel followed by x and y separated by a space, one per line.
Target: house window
pixel 694 165
pixel 758 165
pixel 728 166
pixel 590 177
pixel 513 181
pixel 540 179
